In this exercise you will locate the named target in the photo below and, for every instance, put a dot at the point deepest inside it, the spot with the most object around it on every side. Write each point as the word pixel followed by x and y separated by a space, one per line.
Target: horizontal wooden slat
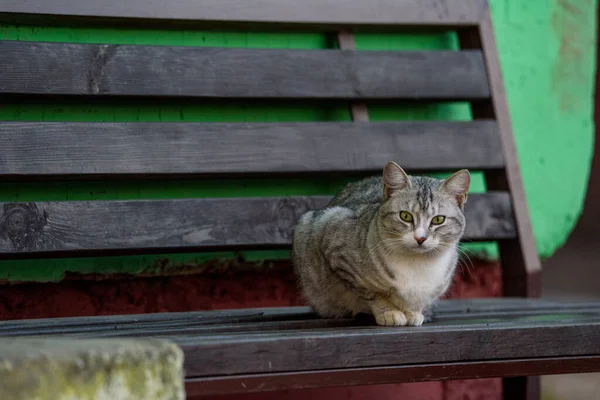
pixel 87 69
pixel 37 149
pixel 271 320
pixel 316 13
pixel 393 374
pixel 465 308
pixel 328 349
pixel 80 227
pixel 462 340
pixel 216 345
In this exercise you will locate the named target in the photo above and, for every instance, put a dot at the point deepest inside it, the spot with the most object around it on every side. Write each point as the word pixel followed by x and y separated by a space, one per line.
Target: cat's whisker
pixel 392 245
pixel 470 268
pixel 462 263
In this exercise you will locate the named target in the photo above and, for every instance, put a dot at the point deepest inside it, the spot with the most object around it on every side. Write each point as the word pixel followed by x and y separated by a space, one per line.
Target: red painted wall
pixel 249 288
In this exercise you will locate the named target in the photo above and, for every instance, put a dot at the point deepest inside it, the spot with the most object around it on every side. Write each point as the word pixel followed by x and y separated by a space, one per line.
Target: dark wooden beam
pixel 125 227
pixel 391 374
pixel 126 70
pixel 285 341
pixel 358 111
pixel 268 320
pixel 520 260
pixel 34 150
pixel 222 320
pixel 323 15
pixel 521 267
pixel 447 341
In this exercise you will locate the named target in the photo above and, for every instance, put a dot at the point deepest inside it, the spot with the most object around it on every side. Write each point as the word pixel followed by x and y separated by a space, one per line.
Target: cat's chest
pixel 420 277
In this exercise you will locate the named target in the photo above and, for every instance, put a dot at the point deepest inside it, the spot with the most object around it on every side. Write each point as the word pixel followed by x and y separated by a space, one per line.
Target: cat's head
pixel 423 214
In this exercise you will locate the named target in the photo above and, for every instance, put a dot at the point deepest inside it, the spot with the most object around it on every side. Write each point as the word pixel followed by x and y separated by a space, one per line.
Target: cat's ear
pixel 457 185
pixel 394 179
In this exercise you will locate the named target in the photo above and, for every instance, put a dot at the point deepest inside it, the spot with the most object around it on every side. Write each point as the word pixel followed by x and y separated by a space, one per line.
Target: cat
pixel 385 245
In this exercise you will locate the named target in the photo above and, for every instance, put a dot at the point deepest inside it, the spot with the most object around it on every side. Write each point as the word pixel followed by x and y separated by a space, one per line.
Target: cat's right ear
pixel 394 179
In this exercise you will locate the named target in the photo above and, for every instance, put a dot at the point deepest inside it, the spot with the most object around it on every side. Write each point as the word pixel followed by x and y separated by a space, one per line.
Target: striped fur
pixel 358 256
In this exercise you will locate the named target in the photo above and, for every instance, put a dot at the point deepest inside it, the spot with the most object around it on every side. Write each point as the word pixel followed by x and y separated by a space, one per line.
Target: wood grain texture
pixel 324 14
pixel 358 111
pixel 521 264
pixel 126 70
pixel 34 149
pixel 306 350
pixel 387 375
pixel 122 227
pixel 268 320
pixel 302 342
pixel 445 309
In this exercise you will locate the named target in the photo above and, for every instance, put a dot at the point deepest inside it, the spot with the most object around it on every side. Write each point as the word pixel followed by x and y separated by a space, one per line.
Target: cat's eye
pixel 438 220
pixel 406 216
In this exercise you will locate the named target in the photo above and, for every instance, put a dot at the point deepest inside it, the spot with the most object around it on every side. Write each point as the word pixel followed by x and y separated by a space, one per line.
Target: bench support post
pixel 358 111
pixel 521 266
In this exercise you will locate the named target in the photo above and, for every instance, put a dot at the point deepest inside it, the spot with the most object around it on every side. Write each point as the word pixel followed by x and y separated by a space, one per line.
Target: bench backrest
pixel 75 150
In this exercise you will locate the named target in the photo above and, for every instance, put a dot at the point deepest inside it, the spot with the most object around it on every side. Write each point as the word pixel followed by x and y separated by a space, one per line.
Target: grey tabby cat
pixel 386 246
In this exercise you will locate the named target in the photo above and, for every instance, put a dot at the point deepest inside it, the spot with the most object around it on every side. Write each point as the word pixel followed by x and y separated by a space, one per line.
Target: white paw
pixel 391 318
pixel 414 318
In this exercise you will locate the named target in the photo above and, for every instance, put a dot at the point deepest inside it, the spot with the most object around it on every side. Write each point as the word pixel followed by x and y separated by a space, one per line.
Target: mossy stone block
pixel 96 369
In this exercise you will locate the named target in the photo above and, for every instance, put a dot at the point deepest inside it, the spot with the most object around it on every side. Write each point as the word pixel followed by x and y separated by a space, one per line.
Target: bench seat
pixel 278 348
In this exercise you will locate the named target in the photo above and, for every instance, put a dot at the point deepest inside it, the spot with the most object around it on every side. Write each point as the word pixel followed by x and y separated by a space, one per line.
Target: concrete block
pixel 96 369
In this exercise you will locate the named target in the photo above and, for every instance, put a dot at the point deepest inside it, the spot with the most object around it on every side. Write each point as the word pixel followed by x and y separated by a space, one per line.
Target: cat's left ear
pixel 457 186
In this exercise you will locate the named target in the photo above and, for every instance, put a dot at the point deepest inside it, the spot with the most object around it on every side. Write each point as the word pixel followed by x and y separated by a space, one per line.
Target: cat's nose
pixel 421 239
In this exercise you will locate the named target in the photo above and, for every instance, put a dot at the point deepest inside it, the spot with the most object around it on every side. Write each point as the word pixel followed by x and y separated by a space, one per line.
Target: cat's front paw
pixel 414 318
pixel 391 318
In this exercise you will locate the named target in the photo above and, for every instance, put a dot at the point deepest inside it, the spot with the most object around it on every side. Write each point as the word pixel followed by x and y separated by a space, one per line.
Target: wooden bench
pixel 269 349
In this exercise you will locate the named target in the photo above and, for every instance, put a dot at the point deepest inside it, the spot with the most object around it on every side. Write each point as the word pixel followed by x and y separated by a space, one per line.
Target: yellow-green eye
pixel 438 220
pixel 406 216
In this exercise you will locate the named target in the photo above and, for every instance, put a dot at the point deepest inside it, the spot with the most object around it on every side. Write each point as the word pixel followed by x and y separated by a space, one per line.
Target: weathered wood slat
pixel 296 323
pixel 38 149
pixel 122 227
pixel 293 328
pixel 392 374
pixel 313 13
pixel 558 333
pixel 317 349
pixel 87 69
pixel 463 308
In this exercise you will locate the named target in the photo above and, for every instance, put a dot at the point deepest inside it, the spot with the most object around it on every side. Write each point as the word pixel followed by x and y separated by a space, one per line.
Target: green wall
pixel 549 84
pixel 548 55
